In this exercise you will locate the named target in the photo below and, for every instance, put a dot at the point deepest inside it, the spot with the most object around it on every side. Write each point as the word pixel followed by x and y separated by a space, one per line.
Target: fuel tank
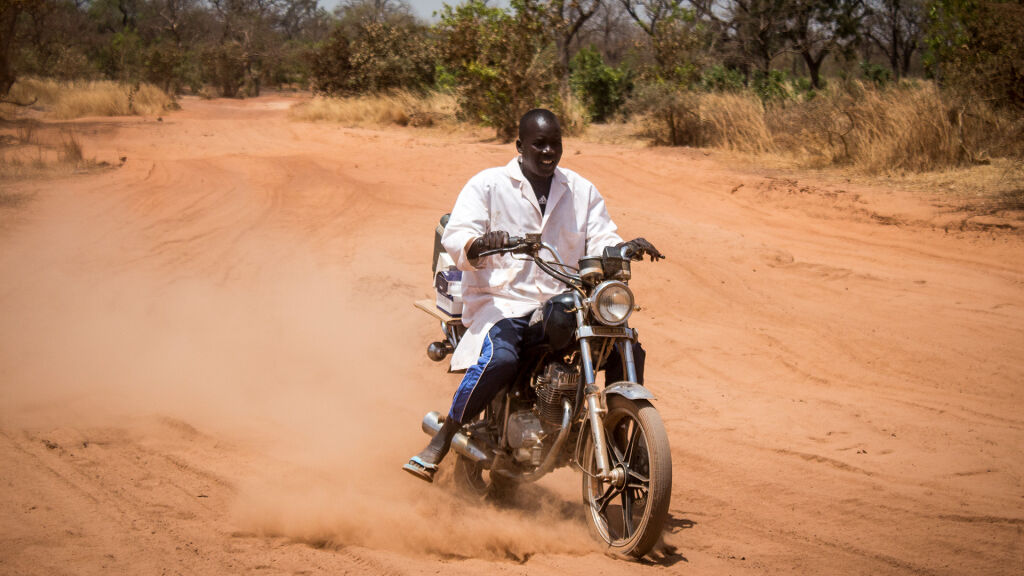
pixel 553 326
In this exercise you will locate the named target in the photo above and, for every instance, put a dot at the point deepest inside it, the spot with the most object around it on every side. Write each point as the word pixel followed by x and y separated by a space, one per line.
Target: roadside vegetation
pixel 77 99
pixel 878 87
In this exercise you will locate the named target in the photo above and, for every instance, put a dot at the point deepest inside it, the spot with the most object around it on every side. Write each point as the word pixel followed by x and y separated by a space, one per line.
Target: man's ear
pixel 519 146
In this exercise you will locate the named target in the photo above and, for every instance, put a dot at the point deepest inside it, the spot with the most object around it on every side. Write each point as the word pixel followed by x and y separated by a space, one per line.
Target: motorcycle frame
pixel 590 412
pixel 594 398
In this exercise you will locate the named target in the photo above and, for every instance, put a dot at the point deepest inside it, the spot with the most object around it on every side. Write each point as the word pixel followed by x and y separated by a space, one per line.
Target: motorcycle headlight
pixel 612 302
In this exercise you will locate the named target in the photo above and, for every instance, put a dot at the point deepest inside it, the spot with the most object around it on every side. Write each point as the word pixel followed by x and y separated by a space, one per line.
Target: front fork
pixel 596 408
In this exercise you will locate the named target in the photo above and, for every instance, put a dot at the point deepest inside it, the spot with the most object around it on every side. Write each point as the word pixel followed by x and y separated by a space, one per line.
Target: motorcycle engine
pixel 558 382
pixel 526 436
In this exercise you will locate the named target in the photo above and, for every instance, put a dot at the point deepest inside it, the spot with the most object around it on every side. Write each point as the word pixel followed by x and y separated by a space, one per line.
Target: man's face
pixel 541 147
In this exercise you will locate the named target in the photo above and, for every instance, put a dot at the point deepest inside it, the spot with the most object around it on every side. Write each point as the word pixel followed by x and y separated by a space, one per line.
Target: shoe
pixel 424 464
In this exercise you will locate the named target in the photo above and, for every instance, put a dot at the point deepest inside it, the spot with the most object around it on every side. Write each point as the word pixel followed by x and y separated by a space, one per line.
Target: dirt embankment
pixel 209 363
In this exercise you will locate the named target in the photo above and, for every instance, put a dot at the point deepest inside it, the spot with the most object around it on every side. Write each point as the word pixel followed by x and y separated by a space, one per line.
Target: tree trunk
pixel 563 70
pixel 8 22
pixel 814 67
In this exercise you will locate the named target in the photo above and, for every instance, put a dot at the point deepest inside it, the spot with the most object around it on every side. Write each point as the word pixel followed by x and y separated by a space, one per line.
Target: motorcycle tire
pixel 629 518
pixel 478 483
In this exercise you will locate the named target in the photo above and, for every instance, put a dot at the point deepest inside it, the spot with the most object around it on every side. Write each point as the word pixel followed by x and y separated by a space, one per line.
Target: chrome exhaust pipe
pixel 461 443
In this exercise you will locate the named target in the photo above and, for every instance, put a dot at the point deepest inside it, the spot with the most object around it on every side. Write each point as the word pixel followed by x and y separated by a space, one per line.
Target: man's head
pixel 539 143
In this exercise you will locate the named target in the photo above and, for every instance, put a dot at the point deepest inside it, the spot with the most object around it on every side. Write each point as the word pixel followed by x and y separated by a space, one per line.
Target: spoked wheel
pixel 629 511
pixel 473 480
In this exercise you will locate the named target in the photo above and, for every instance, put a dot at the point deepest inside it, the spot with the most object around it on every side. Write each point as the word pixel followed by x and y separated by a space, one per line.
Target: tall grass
pixel 910 127
pixel 394 109
pixel 735 122
pixel 67 100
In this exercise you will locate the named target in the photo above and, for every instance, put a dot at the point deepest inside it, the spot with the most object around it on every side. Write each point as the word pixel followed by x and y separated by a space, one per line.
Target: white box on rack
pixel 448 285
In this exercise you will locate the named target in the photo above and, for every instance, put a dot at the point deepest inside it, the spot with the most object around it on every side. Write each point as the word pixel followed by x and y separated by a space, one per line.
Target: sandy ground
pixel 210 363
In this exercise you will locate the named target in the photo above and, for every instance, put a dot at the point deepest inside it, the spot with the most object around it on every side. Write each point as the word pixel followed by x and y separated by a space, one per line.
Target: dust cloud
pixel 311 371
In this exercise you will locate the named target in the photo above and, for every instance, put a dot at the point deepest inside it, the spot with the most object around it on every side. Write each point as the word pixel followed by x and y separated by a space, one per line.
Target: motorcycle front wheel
pixel 629 515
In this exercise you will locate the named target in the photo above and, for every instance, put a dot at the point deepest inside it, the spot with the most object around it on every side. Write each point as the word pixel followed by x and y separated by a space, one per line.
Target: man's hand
pixel 636 248
pixel 489 241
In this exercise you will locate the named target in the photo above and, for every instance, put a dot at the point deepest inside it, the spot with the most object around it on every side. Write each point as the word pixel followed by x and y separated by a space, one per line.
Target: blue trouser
pixel 499 362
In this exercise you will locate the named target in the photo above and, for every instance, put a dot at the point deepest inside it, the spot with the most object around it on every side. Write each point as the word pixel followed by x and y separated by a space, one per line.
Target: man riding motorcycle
pixel 500 293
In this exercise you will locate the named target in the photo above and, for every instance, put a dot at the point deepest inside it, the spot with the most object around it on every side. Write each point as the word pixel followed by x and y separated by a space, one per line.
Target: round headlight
pixel 612 303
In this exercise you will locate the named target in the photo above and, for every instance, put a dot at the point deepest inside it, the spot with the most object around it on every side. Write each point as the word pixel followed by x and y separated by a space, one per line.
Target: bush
pixel 718 78
pixel 330 64
pixel 503 63
pixel 602 88
pixel 670 116
pixel 225 67
pixel 975 48
pixel 880 76
pixel 770 86
pixel 380 57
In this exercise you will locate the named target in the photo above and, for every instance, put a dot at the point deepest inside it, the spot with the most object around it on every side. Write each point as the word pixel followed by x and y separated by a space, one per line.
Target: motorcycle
pixel 555 415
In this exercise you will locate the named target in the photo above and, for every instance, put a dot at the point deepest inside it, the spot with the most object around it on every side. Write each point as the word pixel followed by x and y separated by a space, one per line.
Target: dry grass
pixel 909 128
pixel 906 128
pixel 67 100
pixel 991 188
pixel 395 109
pixel 735 122
pixel 31 150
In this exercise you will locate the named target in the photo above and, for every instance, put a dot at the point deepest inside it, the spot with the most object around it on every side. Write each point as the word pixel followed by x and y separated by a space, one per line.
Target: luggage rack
pixel 452 327
pixel 430 307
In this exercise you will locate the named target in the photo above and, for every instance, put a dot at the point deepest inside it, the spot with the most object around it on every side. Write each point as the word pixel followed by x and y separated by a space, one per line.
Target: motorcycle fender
pixel 629 390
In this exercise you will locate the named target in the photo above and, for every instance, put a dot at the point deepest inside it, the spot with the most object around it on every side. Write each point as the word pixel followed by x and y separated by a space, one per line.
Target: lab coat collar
pixel 559 184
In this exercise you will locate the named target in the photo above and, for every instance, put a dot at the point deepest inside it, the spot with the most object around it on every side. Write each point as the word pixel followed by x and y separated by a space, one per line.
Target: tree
pixel 649 14
pixel 975 46
pixel 565 19
pixel 896 28
pixel 10 13
pixel 502 61
pixel 818 28
pixel 759 30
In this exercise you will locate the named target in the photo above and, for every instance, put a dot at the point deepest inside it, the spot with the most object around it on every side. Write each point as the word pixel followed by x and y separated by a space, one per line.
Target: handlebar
pixel 529 244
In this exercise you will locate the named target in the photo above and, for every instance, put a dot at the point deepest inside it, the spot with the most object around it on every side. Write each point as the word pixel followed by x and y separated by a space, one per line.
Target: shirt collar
pixel 515 172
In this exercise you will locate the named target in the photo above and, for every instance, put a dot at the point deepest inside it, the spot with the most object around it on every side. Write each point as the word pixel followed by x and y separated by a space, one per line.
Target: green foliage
pixel 880 76
pixel 330 65
pixel 678 46
pixel 976 46
pixel 381 56
pixel 602 88
pixel 772 86
pixel 718 78
pixel 224 66
pixel 386 56
pixel 502 61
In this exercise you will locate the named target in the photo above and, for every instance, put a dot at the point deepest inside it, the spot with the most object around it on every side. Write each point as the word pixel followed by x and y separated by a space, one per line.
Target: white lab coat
pixel 575 222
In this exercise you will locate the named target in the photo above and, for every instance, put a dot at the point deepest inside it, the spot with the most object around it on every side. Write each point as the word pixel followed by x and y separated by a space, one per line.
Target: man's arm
pixel 468 224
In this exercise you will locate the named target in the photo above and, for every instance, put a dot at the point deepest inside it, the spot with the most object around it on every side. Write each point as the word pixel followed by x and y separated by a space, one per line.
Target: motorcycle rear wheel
pixel 475 481
pixel 629 518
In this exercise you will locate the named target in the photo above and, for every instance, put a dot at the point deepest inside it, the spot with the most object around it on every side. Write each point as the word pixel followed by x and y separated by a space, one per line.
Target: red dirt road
pixel 210 364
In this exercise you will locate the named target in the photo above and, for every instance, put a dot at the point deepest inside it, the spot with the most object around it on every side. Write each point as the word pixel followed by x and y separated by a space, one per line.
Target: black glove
pixel 489 241
pixel 636 248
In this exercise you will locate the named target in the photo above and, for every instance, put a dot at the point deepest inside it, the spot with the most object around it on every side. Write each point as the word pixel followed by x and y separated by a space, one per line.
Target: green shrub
pixel 502 62
pixel 772 86
pixel 602 88
pixel 718 78
pixel 381 57
pixel 880 76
